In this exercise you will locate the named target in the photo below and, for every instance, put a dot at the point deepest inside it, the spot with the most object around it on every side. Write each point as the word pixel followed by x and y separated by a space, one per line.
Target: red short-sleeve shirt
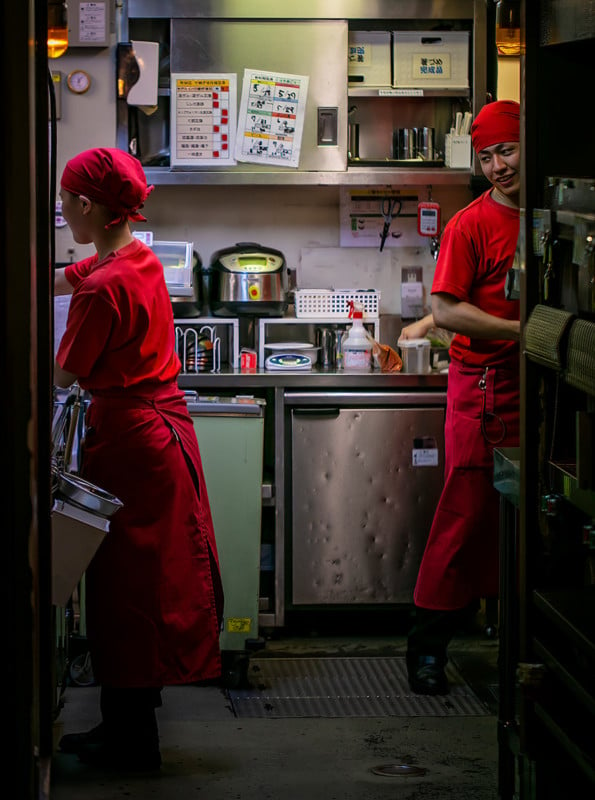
pixel 476 252
pixel 119 332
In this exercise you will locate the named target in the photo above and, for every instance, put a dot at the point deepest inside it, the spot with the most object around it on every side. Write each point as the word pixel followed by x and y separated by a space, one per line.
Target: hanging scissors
pixel 387 209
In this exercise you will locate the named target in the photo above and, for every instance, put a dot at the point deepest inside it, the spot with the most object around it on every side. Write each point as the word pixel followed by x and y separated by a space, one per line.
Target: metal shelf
pixel 353 176
pixel 265 322
pixel 393 93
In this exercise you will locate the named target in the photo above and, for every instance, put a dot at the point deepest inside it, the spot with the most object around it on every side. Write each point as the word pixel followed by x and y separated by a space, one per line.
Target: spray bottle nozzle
pixel 356 310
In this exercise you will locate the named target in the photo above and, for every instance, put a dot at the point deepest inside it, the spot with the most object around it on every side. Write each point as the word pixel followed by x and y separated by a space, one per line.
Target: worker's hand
pixel 418 329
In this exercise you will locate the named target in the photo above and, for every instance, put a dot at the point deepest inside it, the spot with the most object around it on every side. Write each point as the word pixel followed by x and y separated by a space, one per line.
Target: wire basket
pixel 320 304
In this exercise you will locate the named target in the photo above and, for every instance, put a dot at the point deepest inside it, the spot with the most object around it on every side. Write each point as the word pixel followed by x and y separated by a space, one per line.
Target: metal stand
pixel 506 481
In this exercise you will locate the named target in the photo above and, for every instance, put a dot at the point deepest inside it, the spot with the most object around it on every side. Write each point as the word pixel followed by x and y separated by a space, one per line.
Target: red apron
pixel 154 595
pixel 460 562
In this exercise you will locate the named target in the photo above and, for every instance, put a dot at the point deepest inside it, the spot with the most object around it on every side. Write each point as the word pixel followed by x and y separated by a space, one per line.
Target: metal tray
pixel 86 495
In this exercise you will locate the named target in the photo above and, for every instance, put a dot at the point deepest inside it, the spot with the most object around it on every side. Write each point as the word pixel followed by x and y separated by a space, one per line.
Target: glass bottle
pixel 508 27
pixel 57 28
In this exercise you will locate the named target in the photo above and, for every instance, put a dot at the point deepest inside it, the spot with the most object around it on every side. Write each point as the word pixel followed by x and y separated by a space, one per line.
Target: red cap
pixel 111 177
pixel 496 123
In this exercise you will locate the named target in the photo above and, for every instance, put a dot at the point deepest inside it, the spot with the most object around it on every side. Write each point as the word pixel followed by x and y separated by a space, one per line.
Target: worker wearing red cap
pixel 154 598
pixel 478 247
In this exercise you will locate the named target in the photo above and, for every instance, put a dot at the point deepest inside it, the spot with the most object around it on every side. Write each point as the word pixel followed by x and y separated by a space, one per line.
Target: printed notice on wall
pixel 92 22
pixel 271 120
pixel 203 119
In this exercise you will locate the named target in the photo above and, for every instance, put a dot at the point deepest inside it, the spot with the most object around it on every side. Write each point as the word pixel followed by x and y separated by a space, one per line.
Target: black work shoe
pixel 426 675
pixel 123 758
pixel 72 742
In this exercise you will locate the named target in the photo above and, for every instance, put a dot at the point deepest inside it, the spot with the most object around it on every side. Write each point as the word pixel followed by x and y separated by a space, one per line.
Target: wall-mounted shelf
pixel 393 93
pixel 353 176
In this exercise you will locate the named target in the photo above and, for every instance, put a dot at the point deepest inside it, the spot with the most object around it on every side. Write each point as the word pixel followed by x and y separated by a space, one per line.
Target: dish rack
pixel 327 303
pixel 195 358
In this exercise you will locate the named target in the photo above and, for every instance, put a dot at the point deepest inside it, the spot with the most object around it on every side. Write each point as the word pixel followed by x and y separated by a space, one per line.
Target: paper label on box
pixel 424 65
pixel 360 54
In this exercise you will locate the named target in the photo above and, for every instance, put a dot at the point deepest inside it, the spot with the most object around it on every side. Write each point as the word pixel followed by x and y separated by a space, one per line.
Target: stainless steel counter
pixel 314 380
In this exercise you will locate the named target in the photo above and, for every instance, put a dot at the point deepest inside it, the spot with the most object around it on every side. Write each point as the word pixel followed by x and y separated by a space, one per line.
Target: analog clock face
pixel 78 81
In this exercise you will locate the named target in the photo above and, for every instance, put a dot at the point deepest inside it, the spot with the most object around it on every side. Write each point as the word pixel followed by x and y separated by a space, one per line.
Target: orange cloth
pixel 389 359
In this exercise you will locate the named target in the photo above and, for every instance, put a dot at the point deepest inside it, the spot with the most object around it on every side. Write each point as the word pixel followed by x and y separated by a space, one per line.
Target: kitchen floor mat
pixel 345 687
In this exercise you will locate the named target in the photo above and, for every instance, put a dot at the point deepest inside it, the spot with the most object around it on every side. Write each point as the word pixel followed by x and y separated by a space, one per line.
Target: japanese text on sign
pixel 431 66
pixel 203 119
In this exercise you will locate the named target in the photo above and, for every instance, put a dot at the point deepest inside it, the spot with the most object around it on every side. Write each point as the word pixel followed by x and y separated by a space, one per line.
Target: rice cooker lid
pixel 248 258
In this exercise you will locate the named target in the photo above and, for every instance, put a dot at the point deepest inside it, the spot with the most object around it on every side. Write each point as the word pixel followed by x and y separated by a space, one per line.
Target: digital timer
pixel 428 219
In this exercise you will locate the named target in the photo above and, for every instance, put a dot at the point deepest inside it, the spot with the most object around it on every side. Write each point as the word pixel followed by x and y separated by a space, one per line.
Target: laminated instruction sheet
pixel 203 119
pixel 271 118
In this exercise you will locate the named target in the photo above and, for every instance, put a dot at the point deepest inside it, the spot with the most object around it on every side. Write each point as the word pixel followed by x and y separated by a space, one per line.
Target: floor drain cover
pixel 399 770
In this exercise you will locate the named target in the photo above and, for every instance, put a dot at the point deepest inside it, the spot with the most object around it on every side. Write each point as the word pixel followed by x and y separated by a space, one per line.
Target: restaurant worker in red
pixel 154 596
pixel 460 562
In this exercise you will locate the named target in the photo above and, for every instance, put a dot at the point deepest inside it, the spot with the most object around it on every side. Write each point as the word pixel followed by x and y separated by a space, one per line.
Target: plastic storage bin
pixel 415 354
pixel 437 59
pixel 176 258
pixel 327 303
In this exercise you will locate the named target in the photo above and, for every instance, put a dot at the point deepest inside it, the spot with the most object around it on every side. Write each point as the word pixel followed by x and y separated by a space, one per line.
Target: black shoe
pixel 72 742
pixel 426 675
pixel 126 759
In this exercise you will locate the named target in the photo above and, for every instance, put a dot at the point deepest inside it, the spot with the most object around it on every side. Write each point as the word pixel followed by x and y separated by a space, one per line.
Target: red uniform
pixel 460 563
pixel 153 588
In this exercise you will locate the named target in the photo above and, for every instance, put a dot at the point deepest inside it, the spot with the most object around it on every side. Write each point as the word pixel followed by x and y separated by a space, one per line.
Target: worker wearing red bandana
pixel 460 562
pixel 154 599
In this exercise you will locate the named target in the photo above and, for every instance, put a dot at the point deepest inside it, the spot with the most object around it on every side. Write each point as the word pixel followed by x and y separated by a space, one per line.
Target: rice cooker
pixel 248 279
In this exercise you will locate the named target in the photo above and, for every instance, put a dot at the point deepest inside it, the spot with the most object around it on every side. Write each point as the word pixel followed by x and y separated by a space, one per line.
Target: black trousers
pixel 432 630
pixel 129 717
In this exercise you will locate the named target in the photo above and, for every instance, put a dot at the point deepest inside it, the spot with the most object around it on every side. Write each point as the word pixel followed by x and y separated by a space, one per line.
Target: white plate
pixel 290 347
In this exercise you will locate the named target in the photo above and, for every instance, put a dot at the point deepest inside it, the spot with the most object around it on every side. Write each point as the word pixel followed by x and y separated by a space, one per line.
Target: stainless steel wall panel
pixel 316 49
pixel 306 9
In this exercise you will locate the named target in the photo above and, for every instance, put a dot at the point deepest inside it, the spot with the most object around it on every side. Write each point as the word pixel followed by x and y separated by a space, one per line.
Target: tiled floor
pixel 211 754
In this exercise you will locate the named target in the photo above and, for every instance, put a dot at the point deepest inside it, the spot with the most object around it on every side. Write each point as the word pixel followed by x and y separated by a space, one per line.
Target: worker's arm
pixel 63 378
pixel 468 320
pixel 61 284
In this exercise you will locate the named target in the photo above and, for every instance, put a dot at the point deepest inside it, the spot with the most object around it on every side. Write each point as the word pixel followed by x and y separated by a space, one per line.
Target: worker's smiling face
pixel 501 164
pixel 75 211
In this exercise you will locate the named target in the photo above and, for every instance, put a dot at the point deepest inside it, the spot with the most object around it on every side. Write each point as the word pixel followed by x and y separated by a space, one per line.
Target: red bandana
pixel 496 123
pixel 111 178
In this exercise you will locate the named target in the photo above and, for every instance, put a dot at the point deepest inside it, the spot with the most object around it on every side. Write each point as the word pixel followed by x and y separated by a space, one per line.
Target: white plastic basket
pixel 321 304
